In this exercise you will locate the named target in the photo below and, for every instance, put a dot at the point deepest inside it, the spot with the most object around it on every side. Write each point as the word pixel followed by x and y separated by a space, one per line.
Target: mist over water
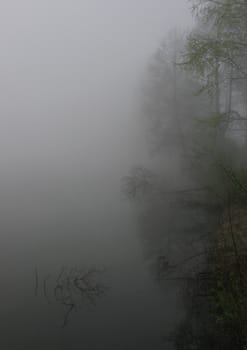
pixel 69 75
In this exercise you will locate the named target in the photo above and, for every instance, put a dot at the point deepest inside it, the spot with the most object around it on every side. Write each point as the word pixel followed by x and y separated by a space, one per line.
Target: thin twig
pixel 36 288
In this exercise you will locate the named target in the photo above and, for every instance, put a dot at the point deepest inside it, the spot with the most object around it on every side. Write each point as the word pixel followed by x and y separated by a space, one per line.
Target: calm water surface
pixel 78 219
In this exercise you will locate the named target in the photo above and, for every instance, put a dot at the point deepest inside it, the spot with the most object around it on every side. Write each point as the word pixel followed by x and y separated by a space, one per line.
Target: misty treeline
pixel 193 194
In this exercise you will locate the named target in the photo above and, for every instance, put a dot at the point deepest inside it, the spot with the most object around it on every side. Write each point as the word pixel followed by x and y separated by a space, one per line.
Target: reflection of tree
pixel 73 288
pixel 139 183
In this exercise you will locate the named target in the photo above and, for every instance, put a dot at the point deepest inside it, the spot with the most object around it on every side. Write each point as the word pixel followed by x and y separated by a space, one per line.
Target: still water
pixel 75 218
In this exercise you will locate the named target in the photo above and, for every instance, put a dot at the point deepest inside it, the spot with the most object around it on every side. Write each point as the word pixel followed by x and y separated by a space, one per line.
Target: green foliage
pixel 228 302
pixel 217 299
pixel 225 36
pixel 236 184
pixel 190 94
pixel 213 121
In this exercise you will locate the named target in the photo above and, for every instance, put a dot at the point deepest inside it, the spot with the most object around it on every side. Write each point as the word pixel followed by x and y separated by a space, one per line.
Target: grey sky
pixel 67 72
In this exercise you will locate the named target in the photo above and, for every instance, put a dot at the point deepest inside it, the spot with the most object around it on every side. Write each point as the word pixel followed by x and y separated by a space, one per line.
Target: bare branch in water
pixel 73 288
pixel 45 288
pixel 36 288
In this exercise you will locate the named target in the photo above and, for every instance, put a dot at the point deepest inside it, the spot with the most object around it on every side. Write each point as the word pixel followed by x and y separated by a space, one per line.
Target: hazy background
pixel 69 78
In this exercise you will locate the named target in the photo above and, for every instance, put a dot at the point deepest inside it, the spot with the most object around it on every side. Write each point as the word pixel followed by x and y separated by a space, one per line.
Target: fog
pixel 70 74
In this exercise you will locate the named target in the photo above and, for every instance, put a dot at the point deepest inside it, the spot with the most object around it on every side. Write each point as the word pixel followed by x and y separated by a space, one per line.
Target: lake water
pixel 75 218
